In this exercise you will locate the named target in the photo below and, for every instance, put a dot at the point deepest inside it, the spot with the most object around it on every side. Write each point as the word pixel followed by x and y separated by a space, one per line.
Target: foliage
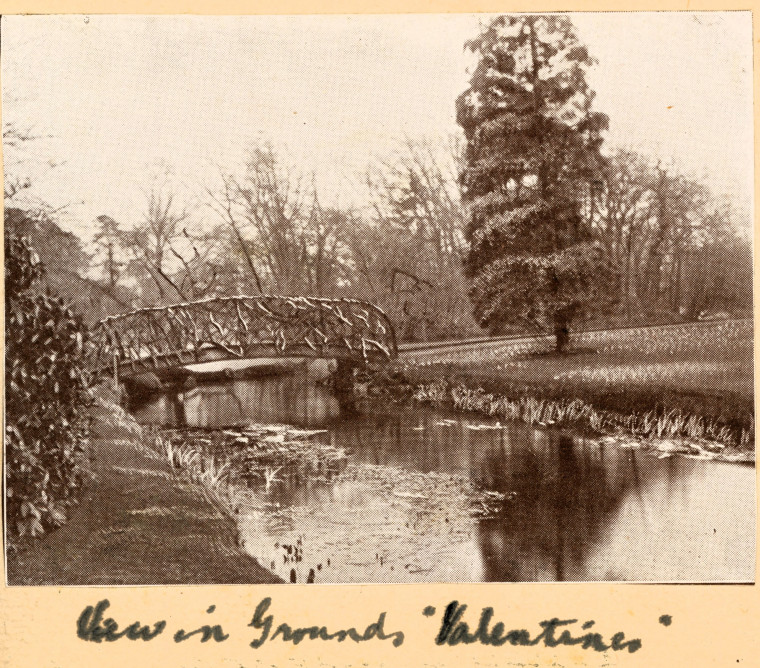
pixel 46 392
pixel 22 264
pixel 65 263
pixel 706 438
pixel 628 227
pixel 532 149
pixel 60 252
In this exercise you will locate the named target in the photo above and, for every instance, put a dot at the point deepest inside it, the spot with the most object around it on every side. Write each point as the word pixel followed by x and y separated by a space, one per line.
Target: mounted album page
pixel 370 338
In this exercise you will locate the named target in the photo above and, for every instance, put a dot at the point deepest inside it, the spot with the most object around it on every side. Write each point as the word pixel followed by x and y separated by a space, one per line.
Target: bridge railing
pixel 242 327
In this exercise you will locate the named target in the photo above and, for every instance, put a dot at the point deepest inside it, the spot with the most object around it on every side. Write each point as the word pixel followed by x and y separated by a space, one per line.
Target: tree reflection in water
pixel 566 489
pixel 566 494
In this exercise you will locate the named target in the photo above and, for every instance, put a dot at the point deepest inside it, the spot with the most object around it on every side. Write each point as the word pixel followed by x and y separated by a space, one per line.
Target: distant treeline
pixel 677 249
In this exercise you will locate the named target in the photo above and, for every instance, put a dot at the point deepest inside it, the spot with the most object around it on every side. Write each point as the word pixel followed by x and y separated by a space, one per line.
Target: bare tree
pixel 226 204
pixel 289 242
pixel 408 254
pixel 653 221
pixel 620 208
pixel 150 242
pixel 169 251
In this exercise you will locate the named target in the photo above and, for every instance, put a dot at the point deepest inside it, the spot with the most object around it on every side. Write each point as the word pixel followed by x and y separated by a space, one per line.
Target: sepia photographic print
pixel 378 299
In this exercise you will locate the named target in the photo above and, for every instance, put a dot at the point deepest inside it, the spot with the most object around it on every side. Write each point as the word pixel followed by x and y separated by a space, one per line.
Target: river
pixel 574 508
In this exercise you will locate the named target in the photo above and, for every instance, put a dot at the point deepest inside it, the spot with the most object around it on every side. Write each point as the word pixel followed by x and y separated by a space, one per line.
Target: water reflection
pixel 567 490
pixel 292 398
pixel 581 510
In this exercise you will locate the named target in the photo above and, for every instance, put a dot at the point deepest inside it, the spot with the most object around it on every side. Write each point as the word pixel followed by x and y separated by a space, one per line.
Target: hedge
pixel 46 396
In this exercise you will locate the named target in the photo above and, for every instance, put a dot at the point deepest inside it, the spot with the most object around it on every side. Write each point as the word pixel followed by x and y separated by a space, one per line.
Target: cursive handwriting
pixel 91 626
pixel 296 635
pixel 454 631
pixel 207 632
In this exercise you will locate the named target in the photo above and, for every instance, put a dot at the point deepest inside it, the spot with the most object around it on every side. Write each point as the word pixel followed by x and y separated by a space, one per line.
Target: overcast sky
pixel 116 94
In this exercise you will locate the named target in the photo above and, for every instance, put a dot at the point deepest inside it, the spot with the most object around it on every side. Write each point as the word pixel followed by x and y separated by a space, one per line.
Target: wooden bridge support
pixel 343 385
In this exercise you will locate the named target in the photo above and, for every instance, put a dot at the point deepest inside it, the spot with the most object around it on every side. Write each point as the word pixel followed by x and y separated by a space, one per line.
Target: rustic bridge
pixel 155 339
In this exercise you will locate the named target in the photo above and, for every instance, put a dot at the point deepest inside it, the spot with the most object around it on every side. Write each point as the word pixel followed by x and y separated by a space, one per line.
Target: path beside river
pixel 137 523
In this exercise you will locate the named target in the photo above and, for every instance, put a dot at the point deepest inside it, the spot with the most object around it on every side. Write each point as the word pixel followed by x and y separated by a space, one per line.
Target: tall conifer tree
pixel 533 150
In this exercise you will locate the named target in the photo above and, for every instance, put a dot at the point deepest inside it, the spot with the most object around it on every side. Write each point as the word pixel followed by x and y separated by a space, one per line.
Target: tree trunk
pixel 562 331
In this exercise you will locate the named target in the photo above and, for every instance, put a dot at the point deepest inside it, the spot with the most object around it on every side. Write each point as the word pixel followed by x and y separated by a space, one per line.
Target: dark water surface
pixel 574 509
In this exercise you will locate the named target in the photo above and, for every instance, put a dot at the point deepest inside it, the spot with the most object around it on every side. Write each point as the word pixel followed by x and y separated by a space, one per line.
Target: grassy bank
pixel 693 381
pixel 141 520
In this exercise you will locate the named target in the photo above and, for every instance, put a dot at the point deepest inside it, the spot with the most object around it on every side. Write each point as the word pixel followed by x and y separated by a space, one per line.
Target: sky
pixel 113 96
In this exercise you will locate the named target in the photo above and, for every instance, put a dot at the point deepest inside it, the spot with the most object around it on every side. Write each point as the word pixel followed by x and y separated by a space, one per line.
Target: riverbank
pixel 139 521
pixel 693 383
pixel 661 429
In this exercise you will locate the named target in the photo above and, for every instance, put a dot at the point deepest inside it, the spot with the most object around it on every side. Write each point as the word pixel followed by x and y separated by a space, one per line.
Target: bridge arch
pixel 242 327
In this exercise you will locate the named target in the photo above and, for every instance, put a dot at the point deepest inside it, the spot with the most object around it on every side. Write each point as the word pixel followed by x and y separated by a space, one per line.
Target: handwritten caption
pixel 452 629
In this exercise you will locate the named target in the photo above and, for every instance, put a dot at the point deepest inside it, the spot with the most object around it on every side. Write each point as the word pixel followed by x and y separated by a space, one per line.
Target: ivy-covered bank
pixel 45 399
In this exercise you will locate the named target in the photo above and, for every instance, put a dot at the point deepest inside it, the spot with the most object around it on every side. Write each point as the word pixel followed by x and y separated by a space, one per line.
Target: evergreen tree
pixel 532 152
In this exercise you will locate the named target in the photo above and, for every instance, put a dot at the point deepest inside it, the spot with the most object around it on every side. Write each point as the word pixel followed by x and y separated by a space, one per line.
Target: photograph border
pixel 691 624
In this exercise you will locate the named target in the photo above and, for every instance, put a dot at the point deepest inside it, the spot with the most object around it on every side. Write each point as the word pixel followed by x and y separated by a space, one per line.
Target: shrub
pixel 45 398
